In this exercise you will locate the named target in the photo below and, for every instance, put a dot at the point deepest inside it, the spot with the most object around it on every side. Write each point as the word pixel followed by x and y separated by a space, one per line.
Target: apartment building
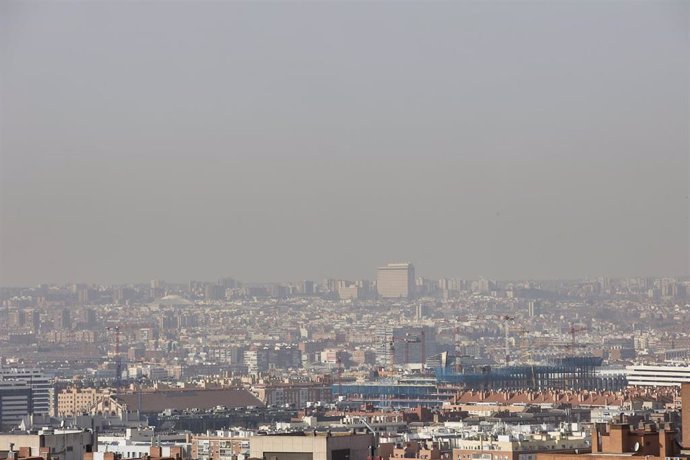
pixel 75 401
pixel 321 446
pixel 220 445
pixel 509 447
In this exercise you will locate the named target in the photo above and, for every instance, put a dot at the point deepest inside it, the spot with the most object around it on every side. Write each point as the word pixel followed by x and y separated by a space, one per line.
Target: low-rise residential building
pixel 521 447
pixel 416 450
pixel 316 446
pixel 49 443
pixel 620 441
pixel 221 445
pixel 142 443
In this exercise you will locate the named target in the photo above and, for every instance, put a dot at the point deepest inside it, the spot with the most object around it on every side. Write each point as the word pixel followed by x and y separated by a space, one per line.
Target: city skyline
pixel 344 230
pixel 373 278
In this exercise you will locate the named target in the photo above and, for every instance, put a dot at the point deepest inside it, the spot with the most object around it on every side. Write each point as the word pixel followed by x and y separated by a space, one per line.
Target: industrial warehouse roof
pixel 158 401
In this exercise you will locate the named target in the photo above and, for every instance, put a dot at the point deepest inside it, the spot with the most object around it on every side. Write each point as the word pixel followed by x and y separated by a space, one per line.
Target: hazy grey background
pixel 282 141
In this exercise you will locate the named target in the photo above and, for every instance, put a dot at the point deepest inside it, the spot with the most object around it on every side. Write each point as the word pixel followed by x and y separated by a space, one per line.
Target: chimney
pixel 596 439
pixel 649 427
pixel 618 437
pixel 667 445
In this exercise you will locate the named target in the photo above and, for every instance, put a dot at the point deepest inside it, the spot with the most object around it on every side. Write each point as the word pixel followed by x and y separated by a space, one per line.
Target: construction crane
pixel 571 376
pixel 514 330
pixel 506 328
pixel 573 330
pixel 118 358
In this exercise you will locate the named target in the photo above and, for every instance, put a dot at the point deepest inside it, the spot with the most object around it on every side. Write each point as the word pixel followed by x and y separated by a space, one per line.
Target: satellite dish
pixel 636 448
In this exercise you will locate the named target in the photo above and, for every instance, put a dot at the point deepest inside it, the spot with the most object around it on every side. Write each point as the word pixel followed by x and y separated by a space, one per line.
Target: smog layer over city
pixel 344 230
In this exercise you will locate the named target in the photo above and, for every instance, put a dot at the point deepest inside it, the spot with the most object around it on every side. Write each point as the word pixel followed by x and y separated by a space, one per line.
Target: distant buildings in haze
pixel 396 281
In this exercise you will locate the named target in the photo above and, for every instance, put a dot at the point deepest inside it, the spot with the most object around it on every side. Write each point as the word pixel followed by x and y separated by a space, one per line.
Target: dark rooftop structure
pixel 158 401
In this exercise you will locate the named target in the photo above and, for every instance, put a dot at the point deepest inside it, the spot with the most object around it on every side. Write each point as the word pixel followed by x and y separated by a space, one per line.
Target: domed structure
pixel 171 301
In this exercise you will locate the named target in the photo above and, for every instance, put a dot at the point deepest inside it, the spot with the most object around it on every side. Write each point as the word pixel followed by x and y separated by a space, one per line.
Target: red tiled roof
pixel 584 398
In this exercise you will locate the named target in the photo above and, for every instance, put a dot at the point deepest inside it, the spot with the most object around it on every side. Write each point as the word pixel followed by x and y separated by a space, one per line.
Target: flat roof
pixel 158 401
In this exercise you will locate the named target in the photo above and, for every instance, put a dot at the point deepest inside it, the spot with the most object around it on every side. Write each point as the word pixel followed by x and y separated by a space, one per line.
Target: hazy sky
pixel 287 141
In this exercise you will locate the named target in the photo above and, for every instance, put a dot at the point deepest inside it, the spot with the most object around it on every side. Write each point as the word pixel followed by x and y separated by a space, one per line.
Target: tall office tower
pixel 421 312
pixel 157 284
pixel 484 286
pixel 42 389
pixel 84 295
pixel 308 287
pixel 227 283
pixel 382 344
pixel 396 281
pixel 17 318
pixel 35 321
pixel 89 317
pixel 533 308
pixel 157 289
pixel 64 319
pixel 121 295
pixel 214 292
pixel 413 344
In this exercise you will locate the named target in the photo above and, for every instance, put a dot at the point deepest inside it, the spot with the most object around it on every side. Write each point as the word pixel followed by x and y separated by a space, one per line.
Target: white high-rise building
pixel 657 376
pixel 396 281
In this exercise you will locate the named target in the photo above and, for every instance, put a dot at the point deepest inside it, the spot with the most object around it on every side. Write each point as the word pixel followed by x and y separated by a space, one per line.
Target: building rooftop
pixel 158 401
